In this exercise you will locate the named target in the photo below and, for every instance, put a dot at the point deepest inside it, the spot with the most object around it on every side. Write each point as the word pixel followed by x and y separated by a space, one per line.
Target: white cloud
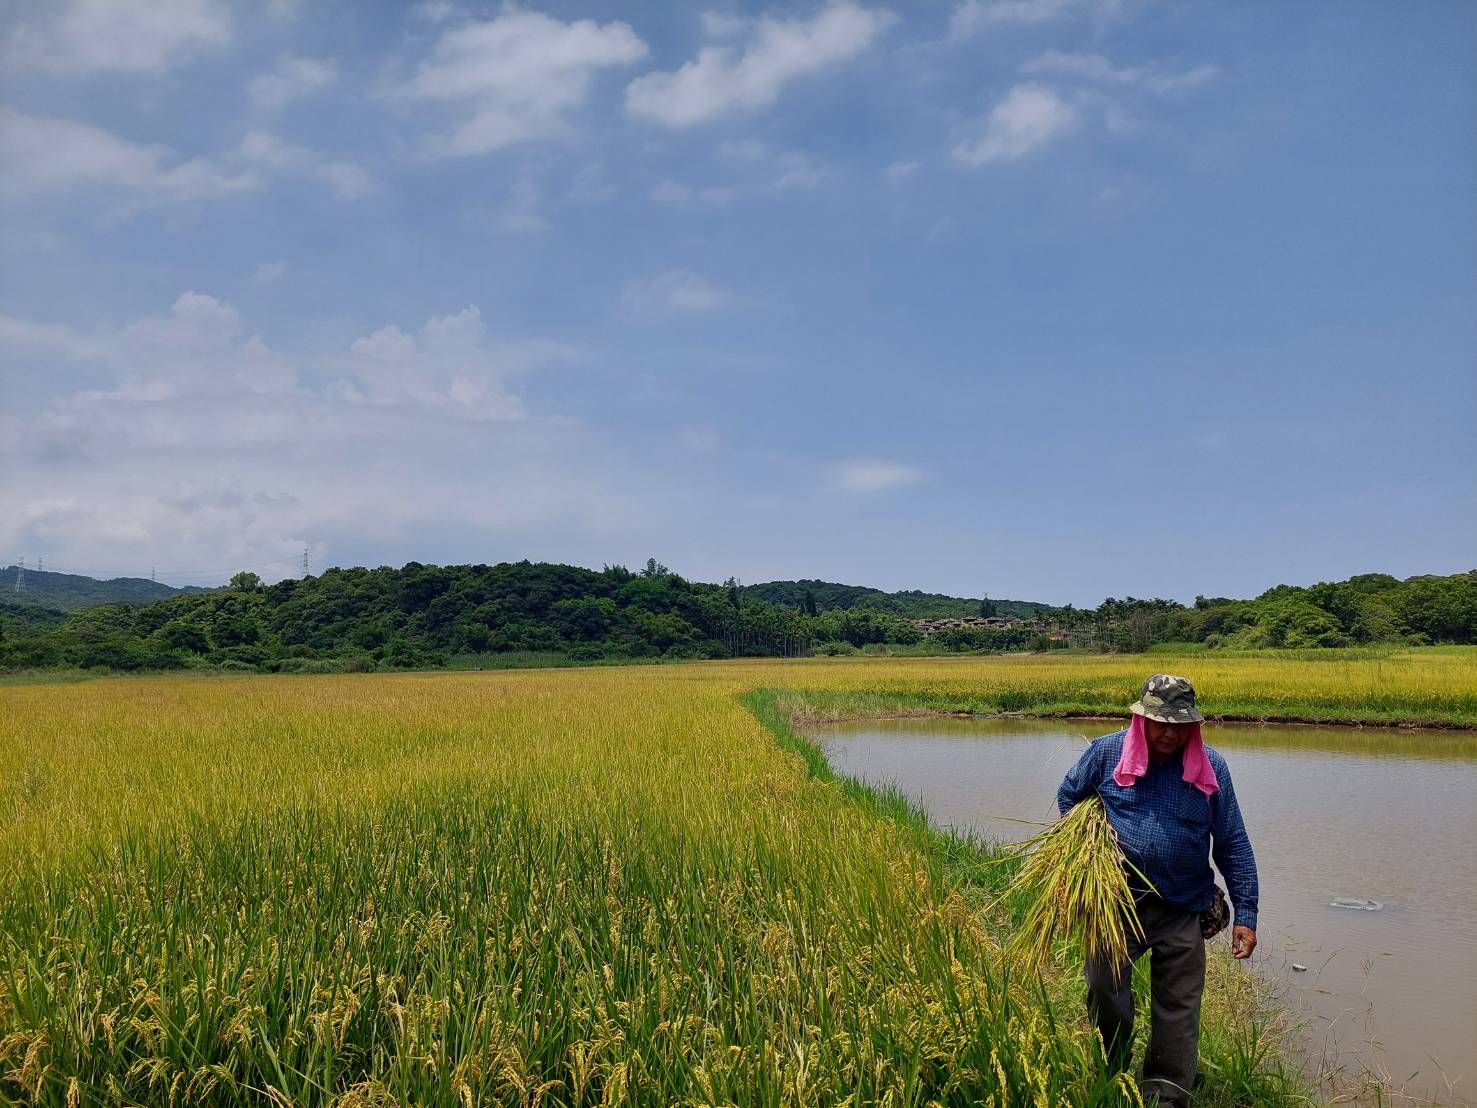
pixel 43 156
pixel 264 151
pixel 675 291
pixel 971 17
pixel 28 337
pixel 1030 116
pixel 198 348
pixel 292 78
pixel 781 170
pixel 1096 68
pixel 117 36
pixel 434 11
pixel 724 24
pixel 898 172
pixel 521 215
pixel 208 445
pixel 1169 83
pixel 731 78
pixel 516 77
pixel 48 154
pixel 445 365
pixel 866 475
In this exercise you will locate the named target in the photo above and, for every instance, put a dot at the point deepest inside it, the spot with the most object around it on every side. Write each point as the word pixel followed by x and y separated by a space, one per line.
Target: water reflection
pixel 1382 815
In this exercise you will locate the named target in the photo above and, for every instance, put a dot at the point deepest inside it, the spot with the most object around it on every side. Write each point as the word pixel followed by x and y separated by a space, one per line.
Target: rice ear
pixel 1075 879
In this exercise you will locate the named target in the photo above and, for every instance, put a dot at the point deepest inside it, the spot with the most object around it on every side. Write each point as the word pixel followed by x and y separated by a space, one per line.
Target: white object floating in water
pixel 1298 967
pixel 1355 904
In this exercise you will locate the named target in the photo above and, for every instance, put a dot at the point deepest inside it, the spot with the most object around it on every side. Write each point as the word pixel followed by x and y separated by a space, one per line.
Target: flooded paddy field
pixel 1335 814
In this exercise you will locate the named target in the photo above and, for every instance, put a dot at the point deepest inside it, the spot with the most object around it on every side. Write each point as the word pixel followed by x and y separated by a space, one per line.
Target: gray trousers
pixel 1176 982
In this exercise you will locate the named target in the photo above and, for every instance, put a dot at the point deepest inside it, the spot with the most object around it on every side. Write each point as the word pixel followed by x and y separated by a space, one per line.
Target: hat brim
pixel 1191 716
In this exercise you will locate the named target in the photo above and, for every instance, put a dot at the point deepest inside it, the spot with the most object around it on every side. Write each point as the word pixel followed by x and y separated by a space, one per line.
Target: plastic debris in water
pixel 1298 967
pixel 1355 904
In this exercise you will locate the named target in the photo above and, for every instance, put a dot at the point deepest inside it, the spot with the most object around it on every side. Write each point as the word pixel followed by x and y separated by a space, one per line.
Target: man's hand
pixel 1243 941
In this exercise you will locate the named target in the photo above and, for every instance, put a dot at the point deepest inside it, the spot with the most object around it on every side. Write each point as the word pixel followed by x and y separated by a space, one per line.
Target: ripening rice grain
pixel 1076 883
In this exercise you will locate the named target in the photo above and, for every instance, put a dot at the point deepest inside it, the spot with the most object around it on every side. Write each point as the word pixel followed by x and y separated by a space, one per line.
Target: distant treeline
pixel 1369 608
pixel 422 616
pixel 825 596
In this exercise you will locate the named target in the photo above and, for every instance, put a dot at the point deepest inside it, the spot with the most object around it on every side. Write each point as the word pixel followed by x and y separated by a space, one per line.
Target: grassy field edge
pixel 825 706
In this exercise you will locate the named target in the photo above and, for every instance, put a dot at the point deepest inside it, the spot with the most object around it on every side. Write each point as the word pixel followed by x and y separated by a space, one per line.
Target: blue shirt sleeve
pixel 1081 780
pixel 1231 849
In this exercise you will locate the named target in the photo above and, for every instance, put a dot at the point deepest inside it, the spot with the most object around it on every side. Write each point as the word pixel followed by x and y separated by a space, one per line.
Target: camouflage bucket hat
pixel 1168 699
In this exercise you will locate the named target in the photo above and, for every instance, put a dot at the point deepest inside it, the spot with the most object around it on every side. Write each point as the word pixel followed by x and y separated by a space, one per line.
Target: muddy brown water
pixel 1369 814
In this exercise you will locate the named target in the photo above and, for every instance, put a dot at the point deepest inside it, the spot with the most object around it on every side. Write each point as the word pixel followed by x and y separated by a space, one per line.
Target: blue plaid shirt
pixel 1166 825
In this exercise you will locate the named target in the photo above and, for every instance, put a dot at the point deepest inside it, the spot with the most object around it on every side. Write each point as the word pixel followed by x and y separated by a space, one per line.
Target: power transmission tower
pixel 40 564
pixel 20 576
pixel 152 571
pixel 305 563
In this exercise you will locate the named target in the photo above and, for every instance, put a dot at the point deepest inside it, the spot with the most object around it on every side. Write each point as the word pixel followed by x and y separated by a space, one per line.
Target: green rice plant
pixel 1075 882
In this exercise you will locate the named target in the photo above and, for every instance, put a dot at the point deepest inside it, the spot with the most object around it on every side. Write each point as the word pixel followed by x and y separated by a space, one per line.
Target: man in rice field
pixel 1169 798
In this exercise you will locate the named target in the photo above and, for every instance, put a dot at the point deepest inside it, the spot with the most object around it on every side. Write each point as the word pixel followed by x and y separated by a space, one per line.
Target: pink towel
pixel 1134 762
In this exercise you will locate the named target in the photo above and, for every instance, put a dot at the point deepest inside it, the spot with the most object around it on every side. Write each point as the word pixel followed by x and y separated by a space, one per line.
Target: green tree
pixel 178 634
pixel 246 581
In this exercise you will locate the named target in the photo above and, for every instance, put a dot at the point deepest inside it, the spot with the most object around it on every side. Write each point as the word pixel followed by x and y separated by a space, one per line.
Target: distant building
pixel 993 623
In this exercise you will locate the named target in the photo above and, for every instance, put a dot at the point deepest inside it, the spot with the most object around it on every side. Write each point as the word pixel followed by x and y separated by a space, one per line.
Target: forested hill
pixel 423 616
pixel 70 591
pixel 426 615
pixel 910 604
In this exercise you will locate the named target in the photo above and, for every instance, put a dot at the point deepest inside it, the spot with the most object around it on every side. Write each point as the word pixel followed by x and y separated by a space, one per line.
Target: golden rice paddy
pixel 575 886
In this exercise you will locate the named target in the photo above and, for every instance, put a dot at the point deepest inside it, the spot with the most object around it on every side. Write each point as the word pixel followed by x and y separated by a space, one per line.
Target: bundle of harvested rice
pixel 1076 879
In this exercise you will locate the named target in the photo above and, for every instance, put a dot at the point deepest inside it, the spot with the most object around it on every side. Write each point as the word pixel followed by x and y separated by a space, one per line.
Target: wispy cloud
pixel 970 17
pixel 673 292
pixel 292 78
pixel 1030 117
pixel 265 151
pixel 749 75
pixel 517 77
pixel 898 172
pixel 868 475
pixel 26 337
pixel 1098 69
pixel 779 170
pixel 43 156
pixel 521 213
pixel 38 154
pixel 116 36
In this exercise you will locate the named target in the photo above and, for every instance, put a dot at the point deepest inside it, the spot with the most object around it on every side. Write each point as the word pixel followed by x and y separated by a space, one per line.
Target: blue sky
pixel 1054 299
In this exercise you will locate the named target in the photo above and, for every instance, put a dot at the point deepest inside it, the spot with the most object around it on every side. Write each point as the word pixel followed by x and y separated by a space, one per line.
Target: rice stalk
pixel 1075 882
